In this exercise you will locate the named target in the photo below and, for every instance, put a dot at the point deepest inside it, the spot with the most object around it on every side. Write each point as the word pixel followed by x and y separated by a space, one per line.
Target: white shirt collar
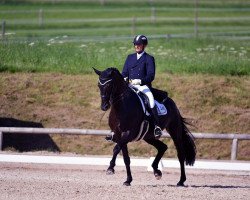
pixel 139 55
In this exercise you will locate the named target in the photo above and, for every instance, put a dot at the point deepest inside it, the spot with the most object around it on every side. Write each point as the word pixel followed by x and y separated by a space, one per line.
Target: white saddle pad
pixel 162 110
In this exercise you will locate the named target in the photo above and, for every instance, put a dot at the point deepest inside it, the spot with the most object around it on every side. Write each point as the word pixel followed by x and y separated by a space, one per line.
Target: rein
pixel 118 98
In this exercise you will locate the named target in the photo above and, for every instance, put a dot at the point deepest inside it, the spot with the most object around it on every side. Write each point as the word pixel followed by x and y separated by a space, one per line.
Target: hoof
pixel 110 171
pixel 157 174
pixel 180 184
pixel 126 183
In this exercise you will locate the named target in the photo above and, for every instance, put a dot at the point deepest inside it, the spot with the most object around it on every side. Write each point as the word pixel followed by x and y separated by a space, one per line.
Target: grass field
pixel 73 36
pixel 173 56
pixel 124 18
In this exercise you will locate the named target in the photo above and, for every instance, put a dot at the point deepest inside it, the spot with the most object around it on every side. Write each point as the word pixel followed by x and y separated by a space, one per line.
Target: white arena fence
pixel 229 136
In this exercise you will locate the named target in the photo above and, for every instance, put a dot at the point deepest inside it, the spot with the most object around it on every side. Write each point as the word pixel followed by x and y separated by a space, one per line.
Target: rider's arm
pixel 125 69
pixel 150 68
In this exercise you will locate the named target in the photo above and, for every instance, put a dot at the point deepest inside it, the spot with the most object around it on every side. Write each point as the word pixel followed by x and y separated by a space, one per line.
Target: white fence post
pixel 102 2
pixel 40 17
pixel 1 141
pixel 196 18
pixel 153 15
pixel 3 29
pixel 151 2
pixel 234 149
pixel 133 30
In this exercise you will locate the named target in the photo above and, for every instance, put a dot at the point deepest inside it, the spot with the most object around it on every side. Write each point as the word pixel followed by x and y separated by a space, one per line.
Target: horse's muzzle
pixel 105 106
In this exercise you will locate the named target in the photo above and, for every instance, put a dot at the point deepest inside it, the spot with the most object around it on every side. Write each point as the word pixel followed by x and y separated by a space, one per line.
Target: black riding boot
pixel 110 137
pixel 157 131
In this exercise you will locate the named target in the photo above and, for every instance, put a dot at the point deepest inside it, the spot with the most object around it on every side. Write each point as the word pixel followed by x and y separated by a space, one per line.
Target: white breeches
pixel 146 91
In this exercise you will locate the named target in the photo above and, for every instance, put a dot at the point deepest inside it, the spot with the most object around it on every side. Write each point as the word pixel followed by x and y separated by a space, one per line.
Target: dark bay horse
pixel 125 119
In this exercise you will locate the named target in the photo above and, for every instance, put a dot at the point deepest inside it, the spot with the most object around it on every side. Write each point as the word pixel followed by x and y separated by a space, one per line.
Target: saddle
pixel 159 96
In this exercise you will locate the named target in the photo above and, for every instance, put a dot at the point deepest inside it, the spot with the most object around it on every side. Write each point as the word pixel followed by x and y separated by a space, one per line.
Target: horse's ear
pixel 97 71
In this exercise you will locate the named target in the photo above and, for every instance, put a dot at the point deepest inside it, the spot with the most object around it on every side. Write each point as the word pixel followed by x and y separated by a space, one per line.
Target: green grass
pixel 77 36
pixel 89 18
pixel 206 56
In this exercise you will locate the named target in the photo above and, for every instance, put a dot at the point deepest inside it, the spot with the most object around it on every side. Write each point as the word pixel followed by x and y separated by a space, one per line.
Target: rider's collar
pixel 139 55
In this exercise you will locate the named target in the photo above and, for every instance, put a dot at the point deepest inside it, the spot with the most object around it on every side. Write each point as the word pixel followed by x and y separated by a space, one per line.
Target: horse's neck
pixel 120 90
pixel 120 86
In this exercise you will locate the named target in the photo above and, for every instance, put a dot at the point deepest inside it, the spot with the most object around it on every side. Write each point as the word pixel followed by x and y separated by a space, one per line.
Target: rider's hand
pixel 135 81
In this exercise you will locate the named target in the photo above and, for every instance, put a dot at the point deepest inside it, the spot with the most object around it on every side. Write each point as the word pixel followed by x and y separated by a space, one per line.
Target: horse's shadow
pixel 26 142
pixel 215 186
pixel 219 186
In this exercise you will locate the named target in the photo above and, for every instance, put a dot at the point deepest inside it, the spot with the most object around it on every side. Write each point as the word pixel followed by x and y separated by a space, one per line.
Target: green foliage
pixel 205 56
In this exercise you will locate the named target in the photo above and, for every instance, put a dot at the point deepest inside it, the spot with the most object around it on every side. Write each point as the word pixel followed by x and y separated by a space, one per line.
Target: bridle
pixel 112 100
pixel 105 82
pixel 103 96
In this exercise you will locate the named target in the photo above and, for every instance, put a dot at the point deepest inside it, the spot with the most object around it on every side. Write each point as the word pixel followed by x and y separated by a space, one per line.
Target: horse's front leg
pixel 126 159
pixel 111 169
pixel 121 145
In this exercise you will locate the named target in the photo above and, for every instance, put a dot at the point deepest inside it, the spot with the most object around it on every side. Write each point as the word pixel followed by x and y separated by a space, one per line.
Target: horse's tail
pixel 188 143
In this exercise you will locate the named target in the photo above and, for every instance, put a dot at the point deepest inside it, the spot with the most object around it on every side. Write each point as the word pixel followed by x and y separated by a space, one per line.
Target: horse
pixel 125 121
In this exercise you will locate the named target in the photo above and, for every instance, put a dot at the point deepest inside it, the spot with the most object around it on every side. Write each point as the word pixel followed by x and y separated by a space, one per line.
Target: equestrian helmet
pixel 140 39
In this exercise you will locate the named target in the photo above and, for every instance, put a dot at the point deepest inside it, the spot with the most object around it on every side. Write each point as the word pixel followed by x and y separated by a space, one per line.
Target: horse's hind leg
pixel 180 154
pixel 181 158
pixel 161 147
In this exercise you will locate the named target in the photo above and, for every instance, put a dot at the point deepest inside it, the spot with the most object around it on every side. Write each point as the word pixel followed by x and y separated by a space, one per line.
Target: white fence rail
pixel 229 136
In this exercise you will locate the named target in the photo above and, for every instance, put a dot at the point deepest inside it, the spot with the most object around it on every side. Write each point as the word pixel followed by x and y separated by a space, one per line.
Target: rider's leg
pixel 157 131
pixel 154 113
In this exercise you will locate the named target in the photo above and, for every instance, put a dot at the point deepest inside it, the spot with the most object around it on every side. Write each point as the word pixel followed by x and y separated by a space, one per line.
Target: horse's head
pixel 105 84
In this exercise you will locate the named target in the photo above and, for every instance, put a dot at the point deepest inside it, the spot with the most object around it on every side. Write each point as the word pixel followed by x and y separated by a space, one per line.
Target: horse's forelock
pixel 106 74
pixel 110 73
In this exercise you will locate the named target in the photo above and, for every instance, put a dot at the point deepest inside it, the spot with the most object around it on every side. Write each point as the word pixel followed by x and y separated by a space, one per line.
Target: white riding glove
pixel 135 81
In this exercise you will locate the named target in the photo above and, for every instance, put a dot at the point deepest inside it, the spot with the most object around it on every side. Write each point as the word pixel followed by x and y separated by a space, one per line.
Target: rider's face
pixel 139 48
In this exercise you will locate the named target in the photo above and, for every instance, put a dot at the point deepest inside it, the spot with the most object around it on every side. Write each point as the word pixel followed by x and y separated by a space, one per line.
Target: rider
pixel 139 68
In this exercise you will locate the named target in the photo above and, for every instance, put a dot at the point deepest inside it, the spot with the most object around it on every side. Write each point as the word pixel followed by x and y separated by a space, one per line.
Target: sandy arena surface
pixel 43 181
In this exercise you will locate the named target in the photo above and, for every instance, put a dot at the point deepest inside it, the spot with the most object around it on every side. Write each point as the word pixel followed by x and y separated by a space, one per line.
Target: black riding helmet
pixel 140 39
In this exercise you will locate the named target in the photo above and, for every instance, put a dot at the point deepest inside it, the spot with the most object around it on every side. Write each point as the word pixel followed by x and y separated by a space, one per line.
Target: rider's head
pixel 140 43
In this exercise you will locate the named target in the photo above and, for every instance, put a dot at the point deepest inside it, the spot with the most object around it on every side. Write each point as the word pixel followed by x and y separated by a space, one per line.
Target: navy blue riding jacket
pixel 143 68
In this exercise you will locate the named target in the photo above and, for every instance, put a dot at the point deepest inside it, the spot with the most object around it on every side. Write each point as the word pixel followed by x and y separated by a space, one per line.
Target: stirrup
pixel 157 132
